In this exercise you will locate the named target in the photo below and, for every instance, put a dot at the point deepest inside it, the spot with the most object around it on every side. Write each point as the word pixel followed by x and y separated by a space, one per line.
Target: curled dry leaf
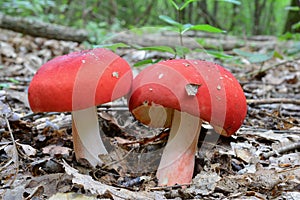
pixel 204 183
pixel 7 50
pixel 244 151
pixel 27 149
pixel 98 188
pixel 71 196
pixel 56 150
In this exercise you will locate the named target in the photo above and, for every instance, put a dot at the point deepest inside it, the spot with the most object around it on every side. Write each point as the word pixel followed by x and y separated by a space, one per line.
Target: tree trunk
pixel 42 29
pixel 202 12
pixel 292 18
pixel 234 17
pixel 206 15
pixel 258 7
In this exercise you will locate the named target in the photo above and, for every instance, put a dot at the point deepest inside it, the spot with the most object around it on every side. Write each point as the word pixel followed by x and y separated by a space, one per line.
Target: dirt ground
pixel 261 161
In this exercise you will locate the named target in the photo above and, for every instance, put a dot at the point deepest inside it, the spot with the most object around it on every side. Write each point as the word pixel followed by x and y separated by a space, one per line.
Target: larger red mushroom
pixel 78 82
pixel 181 94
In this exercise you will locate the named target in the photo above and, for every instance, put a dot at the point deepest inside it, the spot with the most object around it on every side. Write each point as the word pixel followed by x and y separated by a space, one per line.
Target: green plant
pixel 34 8
pixel 180 28
pixel 295 26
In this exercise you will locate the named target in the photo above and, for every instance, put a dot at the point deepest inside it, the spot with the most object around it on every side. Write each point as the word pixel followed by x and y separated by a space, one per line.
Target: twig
pixel 273 100
pixel 271 66
pixel 36 192
pixel 117 161
pixel 170 187
pixel 283 149
pixel 251 128
pixel 289 169
pixel 15 154
pixel 145 141
pixel 279 118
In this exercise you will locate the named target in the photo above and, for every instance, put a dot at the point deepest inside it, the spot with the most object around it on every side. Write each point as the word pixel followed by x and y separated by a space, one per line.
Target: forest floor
pixel 261 161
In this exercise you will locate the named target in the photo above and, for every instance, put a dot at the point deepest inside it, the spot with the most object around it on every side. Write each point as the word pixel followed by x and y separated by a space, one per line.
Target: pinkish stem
pixel 86 136
pixel 178 158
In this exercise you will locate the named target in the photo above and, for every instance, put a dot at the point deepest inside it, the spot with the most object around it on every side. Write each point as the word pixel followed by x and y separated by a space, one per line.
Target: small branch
pixel 272 66
pixel 273 100
pixel 117 161
pixel 41 29
pixel 15 153
pixel 251 128
pixel 170 187
pixel 279 118
pixel 283 149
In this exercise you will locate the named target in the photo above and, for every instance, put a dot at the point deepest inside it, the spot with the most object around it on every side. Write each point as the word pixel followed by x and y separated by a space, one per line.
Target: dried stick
pixel 117 161
pixel 15 152
pixel 283 149
pixel 272 66
pixel 171 187
pixel 273 100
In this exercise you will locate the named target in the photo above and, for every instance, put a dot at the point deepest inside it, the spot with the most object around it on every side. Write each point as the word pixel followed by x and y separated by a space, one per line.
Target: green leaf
pixel 143 62
pixel 219 54
pixel 182 51
pixel 294 49
pixel 206 28
pixel 296 26
pixel 169 20
pixel 159 48
pixel 186 3
pixel 174 4
pixel 289 36
pixel 278 55
pixel 13 80
pixel 114 46
pixel 236 2
pixel 185 28
pixel 254 57
pixel 293 8
pixel 4 85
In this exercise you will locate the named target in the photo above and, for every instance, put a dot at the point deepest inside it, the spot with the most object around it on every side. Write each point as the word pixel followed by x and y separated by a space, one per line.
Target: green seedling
pixel 254 57
pixel 180 28
pixel 113 46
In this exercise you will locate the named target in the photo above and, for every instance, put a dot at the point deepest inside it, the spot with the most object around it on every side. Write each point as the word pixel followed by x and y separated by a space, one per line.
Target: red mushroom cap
pixel 197 87
pixel 79 80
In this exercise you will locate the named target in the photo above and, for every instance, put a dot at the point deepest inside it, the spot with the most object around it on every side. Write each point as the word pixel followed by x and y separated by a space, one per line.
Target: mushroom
pixel 181 94
pixel 78 82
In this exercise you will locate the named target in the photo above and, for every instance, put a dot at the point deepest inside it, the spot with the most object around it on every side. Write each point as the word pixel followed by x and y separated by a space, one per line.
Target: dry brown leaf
pixel 7 50
pixel 28 150
pixel 98 188
pixel 71 196
pixel 204 183
pixel 56 150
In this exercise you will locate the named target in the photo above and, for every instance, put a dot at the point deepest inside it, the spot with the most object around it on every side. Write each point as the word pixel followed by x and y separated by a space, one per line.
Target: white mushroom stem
pixel 86 136
pixel 178 158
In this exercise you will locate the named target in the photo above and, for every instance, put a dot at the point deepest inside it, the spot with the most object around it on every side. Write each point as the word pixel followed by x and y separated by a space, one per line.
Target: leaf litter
pixel 262 161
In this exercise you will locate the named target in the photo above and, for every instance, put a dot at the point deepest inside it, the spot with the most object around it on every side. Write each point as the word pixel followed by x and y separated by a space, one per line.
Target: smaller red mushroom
pixel 181 94
pixel 78 82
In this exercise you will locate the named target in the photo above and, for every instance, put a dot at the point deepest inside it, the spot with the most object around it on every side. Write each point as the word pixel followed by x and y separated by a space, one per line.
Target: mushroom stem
pixel 178 158
pixel 86 136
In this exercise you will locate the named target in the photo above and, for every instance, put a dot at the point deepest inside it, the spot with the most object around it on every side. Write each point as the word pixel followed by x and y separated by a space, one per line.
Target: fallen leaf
pixel 71 196
pixel 204 183
pixel 98 188
pixel 28 150
pixel 56 150
pixel 7 50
